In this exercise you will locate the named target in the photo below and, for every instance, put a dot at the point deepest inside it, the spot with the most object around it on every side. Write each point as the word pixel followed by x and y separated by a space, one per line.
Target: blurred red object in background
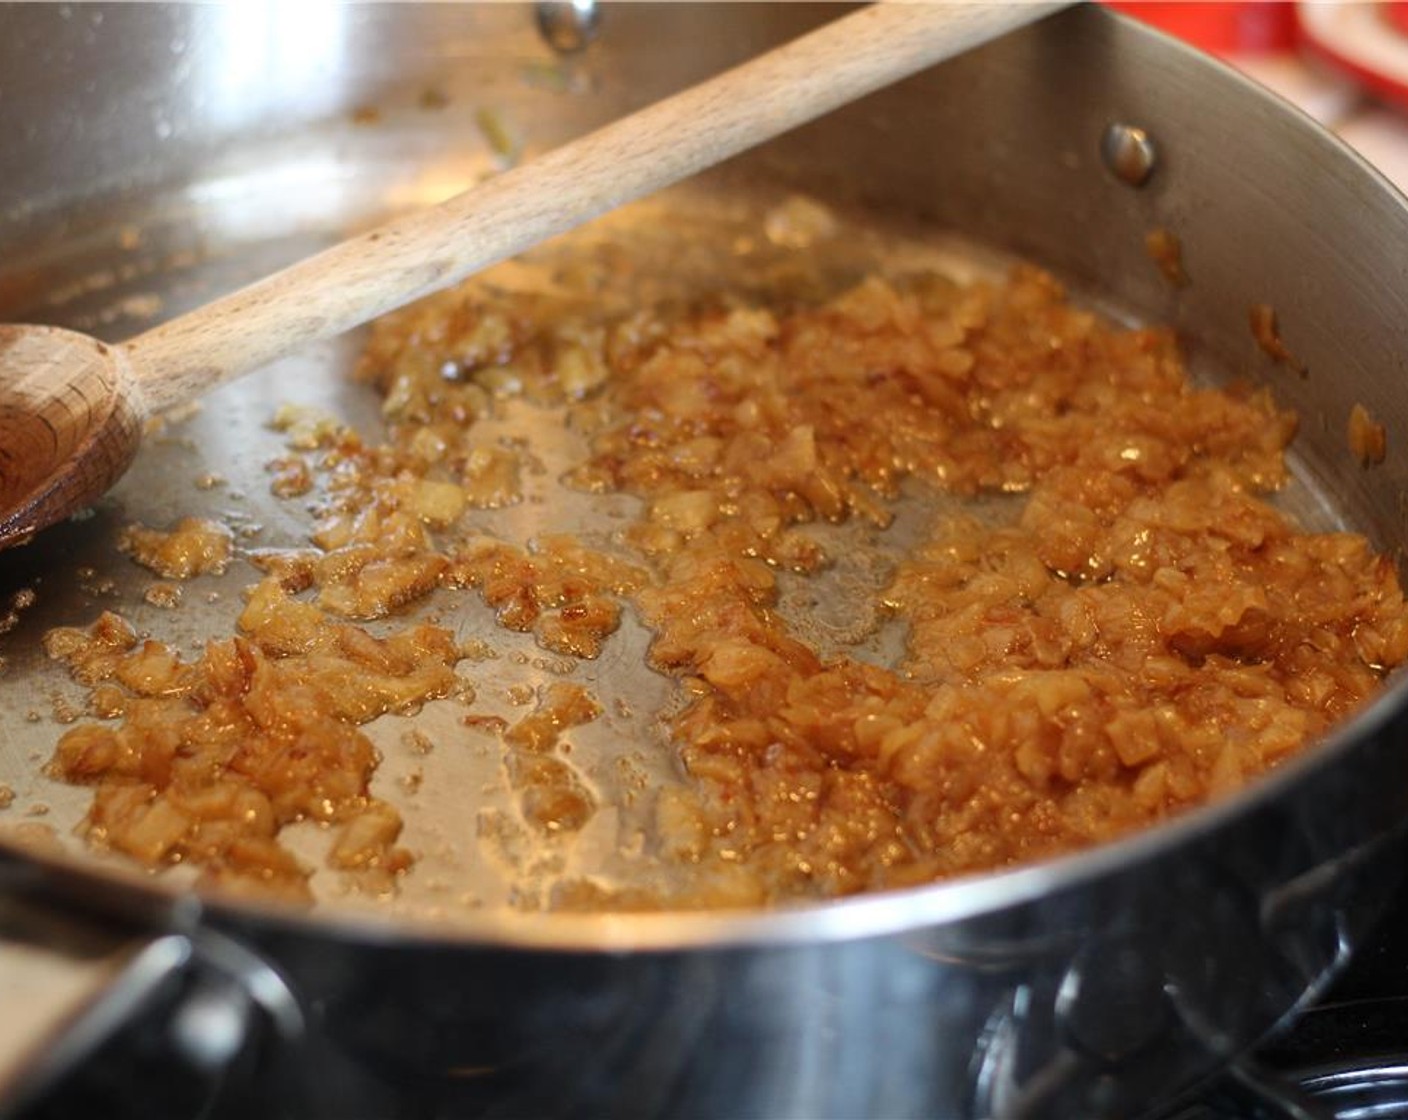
pixel 1366 42
pixel 1248 27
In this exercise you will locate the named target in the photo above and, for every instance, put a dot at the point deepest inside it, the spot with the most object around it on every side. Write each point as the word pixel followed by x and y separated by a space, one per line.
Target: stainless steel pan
pixel 166 153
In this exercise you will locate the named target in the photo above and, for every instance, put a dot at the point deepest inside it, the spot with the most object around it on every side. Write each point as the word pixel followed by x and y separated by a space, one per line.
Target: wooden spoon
pixel 72 409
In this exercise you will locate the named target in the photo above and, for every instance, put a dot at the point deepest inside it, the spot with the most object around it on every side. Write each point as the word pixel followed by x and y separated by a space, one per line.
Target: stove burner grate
pixel 1341 1061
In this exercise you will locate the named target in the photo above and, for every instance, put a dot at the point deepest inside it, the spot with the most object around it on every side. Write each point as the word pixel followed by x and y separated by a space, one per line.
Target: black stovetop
pixel 1344 1059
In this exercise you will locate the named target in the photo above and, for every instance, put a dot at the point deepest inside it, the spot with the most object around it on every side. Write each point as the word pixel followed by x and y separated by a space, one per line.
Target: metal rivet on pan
pixel 1129 153
pixel 567 26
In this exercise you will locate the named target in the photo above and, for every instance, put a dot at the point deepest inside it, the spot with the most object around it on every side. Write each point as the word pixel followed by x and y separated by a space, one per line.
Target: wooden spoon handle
pixel 366 276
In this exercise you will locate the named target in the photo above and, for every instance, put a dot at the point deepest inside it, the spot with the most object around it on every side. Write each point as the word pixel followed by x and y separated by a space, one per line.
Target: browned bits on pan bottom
pixel 1368 441
pixel 1166 250
pixel 214 756
pixel 165 595
pixel 552 796
pixel 1266 329
pixel 1146 633
pixel 562 592
pixel 195 546
pixel 1121 629
pixel 1141 635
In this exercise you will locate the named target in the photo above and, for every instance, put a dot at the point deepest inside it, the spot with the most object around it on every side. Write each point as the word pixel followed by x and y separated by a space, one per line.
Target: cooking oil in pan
pixel 478 842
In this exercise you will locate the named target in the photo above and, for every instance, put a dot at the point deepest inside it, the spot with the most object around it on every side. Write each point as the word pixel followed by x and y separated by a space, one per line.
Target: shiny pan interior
pixel 169 153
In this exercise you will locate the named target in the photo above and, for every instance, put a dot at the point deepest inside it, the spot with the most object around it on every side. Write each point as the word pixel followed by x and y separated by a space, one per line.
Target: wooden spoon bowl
pixel 70 425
